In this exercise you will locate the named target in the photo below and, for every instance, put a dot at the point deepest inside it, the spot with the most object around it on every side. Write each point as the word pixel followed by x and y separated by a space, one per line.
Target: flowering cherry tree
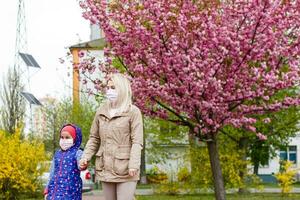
pixel 204 64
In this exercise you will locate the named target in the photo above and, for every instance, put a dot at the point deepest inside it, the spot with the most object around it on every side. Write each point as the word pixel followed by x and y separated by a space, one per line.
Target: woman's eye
pixel 111 87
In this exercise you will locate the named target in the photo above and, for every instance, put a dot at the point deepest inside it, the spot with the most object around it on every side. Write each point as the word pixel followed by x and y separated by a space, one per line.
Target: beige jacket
pixel 117 143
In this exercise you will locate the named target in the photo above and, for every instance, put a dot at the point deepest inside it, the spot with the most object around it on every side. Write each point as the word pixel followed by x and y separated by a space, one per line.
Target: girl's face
pixel 65 135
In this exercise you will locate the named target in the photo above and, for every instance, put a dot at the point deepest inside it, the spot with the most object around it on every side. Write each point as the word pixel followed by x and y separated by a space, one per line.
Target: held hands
pixel 45 193
pixel 83 163
pixel 132 172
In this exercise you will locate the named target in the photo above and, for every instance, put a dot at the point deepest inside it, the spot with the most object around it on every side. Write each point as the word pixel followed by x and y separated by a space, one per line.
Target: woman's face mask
pixel 65 144
pixel 111 95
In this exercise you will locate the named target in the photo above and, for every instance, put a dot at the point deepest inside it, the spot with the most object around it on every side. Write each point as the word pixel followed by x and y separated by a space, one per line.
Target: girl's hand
pixel 83 163
pixel 133 172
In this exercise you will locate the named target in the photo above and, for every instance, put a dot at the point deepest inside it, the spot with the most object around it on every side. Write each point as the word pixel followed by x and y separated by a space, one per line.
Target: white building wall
pixel 176 160
pixel 273 166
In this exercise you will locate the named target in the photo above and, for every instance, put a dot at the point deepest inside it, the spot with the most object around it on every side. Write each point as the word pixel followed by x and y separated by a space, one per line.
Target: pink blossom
pixel 252 128
pixel 267 120
pixel 261 136
pixel 80 54
pixel 210 68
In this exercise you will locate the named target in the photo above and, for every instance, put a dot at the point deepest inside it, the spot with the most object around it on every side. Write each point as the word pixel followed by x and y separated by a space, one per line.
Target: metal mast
pixel 22 64
pixel 21 34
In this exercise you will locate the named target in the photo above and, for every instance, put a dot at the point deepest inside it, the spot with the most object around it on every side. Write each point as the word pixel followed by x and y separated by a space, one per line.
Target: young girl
pixel 65 182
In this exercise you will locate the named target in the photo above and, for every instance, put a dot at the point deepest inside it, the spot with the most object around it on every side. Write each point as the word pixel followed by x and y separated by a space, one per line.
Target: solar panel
pixel 29 60
pixel 30 98
pixel 33 61
pixel 25 59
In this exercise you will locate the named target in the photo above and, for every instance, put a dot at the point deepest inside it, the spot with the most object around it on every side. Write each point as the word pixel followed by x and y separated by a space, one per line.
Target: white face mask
pixel 65 143
pixel 111 94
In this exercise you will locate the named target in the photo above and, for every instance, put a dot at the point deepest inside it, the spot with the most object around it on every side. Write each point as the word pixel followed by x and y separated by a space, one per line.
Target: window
pixel 289 153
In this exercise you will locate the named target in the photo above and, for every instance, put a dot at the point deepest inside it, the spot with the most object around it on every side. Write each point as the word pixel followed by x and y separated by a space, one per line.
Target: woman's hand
pixel 83 163
pixel 133 172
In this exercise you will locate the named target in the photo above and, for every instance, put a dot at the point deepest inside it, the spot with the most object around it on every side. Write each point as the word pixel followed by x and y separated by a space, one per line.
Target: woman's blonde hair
pixel 123 88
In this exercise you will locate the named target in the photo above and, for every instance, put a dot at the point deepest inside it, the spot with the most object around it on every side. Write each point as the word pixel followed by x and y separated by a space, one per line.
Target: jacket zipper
pixel 60 164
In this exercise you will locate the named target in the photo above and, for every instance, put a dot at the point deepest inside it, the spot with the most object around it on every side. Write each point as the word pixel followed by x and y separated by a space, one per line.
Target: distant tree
pixel 276 130
pixel 13 104
pixel 283 125
pixel 58 113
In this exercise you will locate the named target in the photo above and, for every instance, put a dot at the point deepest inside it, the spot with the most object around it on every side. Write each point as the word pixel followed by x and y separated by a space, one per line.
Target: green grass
pixel 266 185
pixel 275 185
pixel 228 197
pixel 144 186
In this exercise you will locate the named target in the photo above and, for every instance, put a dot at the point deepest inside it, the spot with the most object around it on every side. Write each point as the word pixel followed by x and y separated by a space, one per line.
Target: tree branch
pixel 189 124
pixel 227 134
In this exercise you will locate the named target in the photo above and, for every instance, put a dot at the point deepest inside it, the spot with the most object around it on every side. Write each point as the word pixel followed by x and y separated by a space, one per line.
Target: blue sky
pixel 52 25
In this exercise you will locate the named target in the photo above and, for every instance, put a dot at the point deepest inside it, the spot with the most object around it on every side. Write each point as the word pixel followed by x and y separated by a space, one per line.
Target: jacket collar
pixel 104 110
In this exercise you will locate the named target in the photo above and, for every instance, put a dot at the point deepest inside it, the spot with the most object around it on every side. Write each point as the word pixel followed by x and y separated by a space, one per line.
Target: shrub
pixel 285 176
pixel 183 175
pixel 156 176
pixel 20 165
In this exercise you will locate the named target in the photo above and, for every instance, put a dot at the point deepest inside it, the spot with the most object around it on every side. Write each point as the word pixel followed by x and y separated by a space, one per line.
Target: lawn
pixel 228 197
pixel 275 185
pixel 266 185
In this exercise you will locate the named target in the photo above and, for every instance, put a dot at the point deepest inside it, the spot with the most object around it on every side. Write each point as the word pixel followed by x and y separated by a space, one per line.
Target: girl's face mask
pixel 111 95
pixel 65 144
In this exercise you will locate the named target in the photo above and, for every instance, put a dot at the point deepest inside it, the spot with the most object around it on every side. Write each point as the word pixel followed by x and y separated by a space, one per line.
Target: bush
pixel 20 165
pixel 156 176
pixel 183 175
pixel 285 176
pixel 201 175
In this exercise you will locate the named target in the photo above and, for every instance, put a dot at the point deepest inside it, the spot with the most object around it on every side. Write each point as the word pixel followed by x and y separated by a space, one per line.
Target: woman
pixel 116 137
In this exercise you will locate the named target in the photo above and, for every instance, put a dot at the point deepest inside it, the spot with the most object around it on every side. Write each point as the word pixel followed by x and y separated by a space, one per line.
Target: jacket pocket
pixel 99 164
pixel 121 161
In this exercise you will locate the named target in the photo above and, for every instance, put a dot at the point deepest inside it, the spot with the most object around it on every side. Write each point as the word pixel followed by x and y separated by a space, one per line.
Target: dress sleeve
pixel 78 157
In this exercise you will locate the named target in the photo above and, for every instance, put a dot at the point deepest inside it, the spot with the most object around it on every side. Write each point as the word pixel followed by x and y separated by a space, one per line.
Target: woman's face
pixel 111 93
pixel 110 85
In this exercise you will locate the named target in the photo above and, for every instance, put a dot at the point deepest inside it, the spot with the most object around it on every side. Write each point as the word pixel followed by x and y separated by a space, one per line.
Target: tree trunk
pixel 216 168
pixel 143 163
pixel 255 170
pixel 243 142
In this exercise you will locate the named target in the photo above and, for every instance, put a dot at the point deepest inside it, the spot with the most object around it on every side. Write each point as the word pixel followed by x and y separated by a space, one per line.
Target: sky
pixel 52 26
